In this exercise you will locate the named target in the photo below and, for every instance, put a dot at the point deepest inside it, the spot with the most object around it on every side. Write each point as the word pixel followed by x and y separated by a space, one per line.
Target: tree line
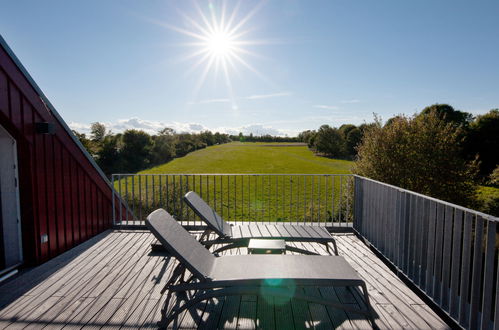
pixel 263 138
pixel 334 142
pixel 135 150
pixel 440 152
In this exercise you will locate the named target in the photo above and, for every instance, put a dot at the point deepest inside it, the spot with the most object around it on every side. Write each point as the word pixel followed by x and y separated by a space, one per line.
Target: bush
pixel 488 200
pixel 421 154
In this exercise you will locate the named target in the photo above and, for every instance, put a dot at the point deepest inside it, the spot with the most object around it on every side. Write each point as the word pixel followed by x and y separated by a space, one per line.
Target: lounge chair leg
pixel 228 247
pixel 177 272
pixel 368 305
pixel 335 248
pixel 302 251
pixel 206 233
pixel 188 302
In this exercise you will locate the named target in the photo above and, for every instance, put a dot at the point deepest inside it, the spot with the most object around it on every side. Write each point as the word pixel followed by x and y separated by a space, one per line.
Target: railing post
pixel 357 214
pixel 113 192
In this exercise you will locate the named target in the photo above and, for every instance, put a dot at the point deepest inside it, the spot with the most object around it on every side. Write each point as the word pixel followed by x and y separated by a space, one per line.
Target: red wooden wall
pixel 62 194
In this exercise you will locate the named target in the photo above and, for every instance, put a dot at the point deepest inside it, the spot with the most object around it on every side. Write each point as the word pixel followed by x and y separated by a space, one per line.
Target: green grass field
pixel 247 197
pixel 239 157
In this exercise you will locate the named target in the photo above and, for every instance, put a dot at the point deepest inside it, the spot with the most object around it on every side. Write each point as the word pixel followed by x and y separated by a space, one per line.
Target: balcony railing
pixel 321 199
pixel 448 252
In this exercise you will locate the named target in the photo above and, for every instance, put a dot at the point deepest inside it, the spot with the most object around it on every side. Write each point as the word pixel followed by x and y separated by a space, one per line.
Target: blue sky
pixel 128 63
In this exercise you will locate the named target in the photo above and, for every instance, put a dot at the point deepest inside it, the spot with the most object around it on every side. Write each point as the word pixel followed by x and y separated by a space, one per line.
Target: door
pixel 10 219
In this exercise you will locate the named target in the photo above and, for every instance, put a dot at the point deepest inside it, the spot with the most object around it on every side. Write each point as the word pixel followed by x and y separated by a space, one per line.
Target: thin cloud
pixel 266 96
pixel 350 101
pixel 328 107
pixel 221 100
pixel 250 97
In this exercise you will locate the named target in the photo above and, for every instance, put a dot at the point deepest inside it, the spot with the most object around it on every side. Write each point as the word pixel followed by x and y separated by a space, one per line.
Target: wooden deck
pixel 114 281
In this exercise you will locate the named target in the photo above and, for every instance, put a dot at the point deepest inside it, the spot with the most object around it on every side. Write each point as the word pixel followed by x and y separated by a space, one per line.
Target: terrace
pixel 423 260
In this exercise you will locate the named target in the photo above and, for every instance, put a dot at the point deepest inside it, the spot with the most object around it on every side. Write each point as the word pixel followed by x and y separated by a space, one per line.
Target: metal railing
pixel 320 199
pixel 449 252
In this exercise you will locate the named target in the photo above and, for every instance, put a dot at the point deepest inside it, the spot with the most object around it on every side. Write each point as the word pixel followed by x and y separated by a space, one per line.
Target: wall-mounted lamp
pixel 45 128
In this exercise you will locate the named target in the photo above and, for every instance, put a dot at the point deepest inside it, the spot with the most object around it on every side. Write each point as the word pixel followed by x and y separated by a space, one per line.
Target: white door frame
pixel 3 131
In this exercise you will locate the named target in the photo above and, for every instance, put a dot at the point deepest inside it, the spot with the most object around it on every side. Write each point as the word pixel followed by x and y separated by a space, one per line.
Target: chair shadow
pixel 274 313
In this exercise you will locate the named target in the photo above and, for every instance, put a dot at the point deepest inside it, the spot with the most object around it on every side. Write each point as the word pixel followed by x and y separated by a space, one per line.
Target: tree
pixel 207 137
pixel 163 148
pixel 329 141
pixel 352 140
pixel 186 143
pixel 421 154
pixel 483 141
pixel 97 132
pixel 87 143
pixel 345 129
pixel 136 147
pixel 494 177
pixel 448 114
pixel 108 156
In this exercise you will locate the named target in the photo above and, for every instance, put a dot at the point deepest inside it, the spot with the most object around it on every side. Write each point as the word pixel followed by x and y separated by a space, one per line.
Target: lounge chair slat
pixel 295 233
pixel 273 230
pixel 255 231
pixel 180 243
pixel 282 232
pixel 320 231
pixel 236 232
pixel 263 230
pixel 245 231
pixel 207 214
pixel 301 231
pixel 289 230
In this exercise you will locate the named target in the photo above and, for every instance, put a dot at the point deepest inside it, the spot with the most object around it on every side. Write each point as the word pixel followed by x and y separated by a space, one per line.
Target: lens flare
pixel 286 290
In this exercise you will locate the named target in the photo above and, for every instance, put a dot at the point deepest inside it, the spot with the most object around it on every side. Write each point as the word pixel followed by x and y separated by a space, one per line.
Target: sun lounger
pixel 239 236
pixel 268 275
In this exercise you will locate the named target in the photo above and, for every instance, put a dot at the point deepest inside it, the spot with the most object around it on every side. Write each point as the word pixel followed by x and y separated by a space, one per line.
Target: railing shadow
pixel 28 279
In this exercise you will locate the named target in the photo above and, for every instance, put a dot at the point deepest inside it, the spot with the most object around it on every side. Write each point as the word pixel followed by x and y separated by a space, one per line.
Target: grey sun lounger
pixel 272 275
pixel 239 236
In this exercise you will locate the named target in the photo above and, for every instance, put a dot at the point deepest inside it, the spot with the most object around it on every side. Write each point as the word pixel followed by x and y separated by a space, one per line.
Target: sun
pixel 220 44
pixel 218 39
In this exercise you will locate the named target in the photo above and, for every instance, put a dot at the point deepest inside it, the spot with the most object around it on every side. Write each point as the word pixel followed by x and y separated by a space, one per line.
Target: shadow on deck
pixel 114 281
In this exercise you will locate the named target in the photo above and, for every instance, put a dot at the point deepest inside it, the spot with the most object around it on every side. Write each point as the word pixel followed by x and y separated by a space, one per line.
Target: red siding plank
pixel 40 194
pixel 75 201
pixel 66 194
pixel 4 94
pixel 93 197
pixel 99 209
pixel 59 198
pixel 89 206
pixel 83 205
pixel 15 107
pixel 51 214
pixel 28 127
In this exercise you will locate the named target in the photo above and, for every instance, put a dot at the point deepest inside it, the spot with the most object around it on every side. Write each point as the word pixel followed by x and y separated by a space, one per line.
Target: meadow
pixel 237 157
pixel 269 182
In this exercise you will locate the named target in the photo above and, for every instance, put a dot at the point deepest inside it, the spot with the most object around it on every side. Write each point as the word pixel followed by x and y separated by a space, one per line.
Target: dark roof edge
pixel 45 100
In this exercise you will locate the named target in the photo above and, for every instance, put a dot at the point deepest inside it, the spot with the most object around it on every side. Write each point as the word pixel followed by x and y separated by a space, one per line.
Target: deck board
pixel 114 281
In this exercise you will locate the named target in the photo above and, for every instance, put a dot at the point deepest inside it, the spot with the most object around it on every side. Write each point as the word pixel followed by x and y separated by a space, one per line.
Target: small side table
pixel 266 246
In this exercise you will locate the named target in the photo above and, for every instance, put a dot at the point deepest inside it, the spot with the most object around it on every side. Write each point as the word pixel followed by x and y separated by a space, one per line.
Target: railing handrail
pixel 462 208
pixel 233 174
